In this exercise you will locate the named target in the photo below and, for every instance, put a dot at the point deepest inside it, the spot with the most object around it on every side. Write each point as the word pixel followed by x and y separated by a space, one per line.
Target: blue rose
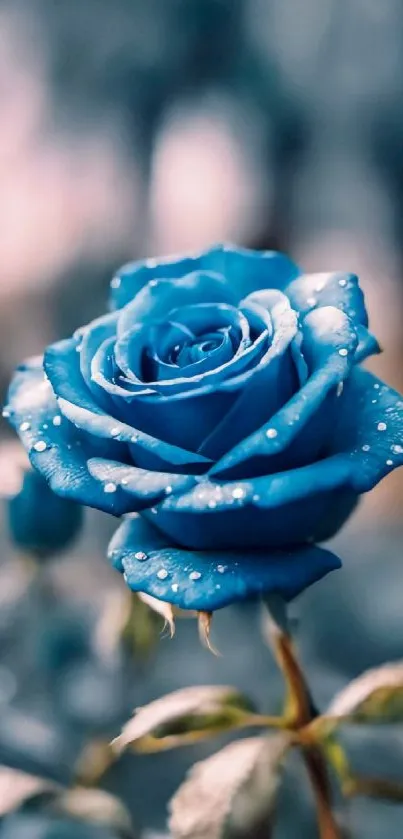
pixel 223 399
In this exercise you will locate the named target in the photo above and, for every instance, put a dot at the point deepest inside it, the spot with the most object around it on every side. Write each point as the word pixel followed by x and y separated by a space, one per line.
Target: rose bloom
pixel 223 399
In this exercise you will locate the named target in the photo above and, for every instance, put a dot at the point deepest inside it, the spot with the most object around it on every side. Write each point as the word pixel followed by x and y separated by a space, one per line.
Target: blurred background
pixel 144 127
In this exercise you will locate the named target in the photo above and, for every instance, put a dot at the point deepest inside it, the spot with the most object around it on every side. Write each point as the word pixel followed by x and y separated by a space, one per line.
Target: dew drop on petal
pixel 40 446
pixel 194 575
pixel 343 351
pixel 238 492
pixel 271 433
pixel 115 282
pixel 175 587
pixel 376 386
pixel 110 487
pixel 311 301
pixel 168 490
pixel 221 569
pixel 366 447
pixel 343 282
pixel 141 556
pixel 397 449
pixel 124 482
pixel 115 431
pixel 389 462
pixel 57 420
pixel 6 412
pixel 162 574
pixel 25 426
pixel 382 426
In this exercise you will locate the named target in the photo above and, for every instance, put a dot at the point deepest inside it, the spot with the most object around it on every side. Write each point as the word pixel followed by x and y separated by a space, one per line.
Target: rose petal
pixel 336 288
pixel 78 406
pixel 157 298
pixel 209 581
pixel 371 430
pixel 54 446
pixel 303 428
pixel 246 271
pixel 145 488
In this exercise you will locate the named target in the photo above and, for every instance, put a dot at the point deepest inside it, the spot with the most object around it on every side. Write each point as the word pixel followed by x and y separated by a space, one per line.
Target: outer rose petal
pixel 208 581
pixel 290 508
pixel 371 431
pixel 246 270
pixel 299 504
pixel 335 288
pixel 145 488
pixel 54 447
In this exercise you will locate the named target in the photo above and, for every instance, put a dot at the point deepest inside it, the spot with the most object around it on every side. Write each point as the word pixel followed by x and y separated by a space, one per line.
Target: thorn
pixel 204 622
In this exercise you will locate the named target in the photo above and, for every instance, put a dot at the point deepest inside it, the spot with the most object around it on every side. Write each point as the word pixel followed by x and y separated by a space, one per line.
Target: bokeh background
pixel 144 127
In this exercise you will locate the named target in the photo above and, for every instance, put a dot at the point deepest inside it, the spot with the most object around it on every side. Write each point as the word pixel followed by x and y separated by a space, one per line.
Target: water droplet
pixel 175 587
pixel 397 449
pixel 238 492
pixel 134 438
pixel 115 431
pixel 343 351
pixel 168 489
pixel 340 388
pixel 256 498
pixel 162 574
pixel 141 556
pixel 194 575
pixel 153 283
pixel 115 282
pixel 389 462
pixel 343 282
pixel 45 426
pixel 25 426
pixel 271 433
pixel 154 511
pixel 212 504
pixel 40 446
pixel 382 426
pixel 221 569
pixel 311 301
pixel 366 447
pixel 376 386
pixel 374 401
pixel 57 420
pixel 124 482
pixel 110 487
pixel 6 412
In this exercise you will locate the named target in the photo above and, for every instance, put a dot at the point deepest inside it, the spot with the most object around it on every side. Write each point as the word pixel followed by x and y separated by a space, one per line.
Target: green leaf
pixel 17 787
pixel 231 794
pixel 96 807
pixel 376 697
pixel 185 716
